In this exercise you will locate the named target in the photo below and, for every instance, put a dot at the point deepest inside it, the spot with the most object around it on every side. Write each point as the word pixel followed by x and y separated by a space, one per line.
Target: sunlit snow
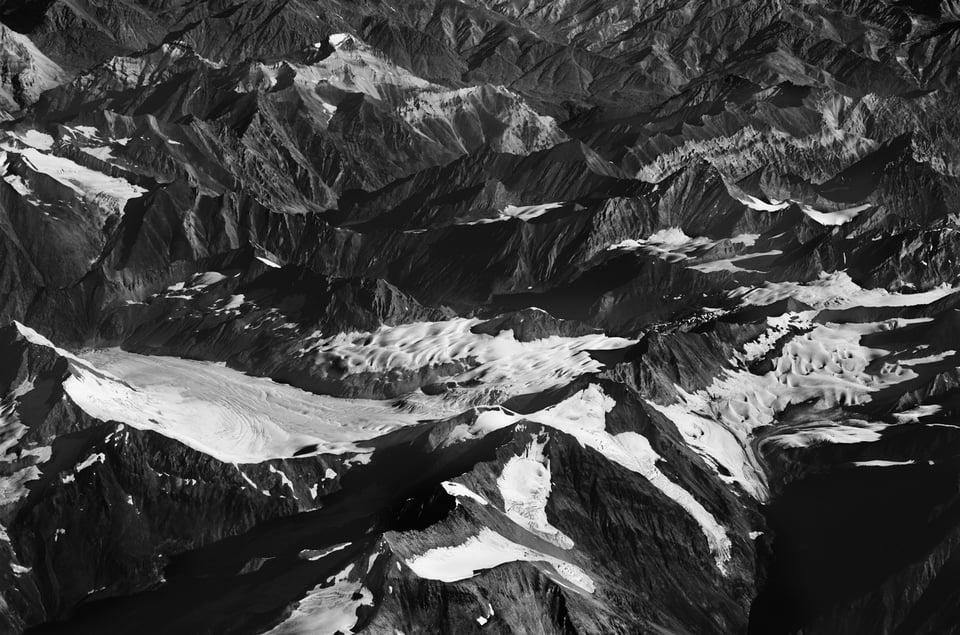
pixel 328 609
pixel 525 488
pixel 222 412
pixel 487 550
pixel 583 416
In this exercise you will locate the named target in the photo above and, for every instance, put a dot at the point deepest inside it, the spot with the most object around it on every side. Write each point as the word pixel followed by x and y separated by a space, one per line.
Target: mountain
pixel 479 316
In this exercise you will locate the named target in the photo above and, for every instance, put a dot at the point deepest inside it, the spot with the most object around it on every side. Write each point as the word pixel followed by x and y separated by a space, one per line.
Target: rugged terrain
pixel 458 316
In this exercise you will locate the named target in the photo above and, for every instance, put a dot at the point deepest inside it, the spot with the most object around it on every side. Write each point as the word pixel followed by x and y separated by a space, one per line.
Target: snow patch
pixel 760 205
pixel 778 327
pixel 529 212
pixel 462 491
pixel 524 213
pixel 328 609
pixel 104 153
pixel 836 217
pixel 730 264
pixel 19 569
pixel 927 359
pixel 338 39
pixel 207 278
pixel 314 554
pixel 747 240
pixel 34 139
pixel 852 431
pixel 267 262
pixel 914 415
pixel 495 363
pixel 487 550
pixel 13 482
pixel 233 303
pixel 525 486
pixel 91 460
pixel 284 479
pixel 671 244
pixel 92 186
pixel 18 184
pixel 836 291
pixel 882 463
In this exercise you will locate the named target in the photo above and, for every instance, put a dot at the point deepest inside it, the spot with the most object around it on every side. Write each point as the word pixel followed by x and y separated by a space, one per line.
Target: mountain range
pixel 480 316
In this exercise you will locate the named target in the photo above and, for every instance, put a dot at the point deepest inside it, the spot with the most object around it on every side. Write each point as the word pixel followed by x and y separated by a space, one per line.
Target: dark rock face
pixel 479 316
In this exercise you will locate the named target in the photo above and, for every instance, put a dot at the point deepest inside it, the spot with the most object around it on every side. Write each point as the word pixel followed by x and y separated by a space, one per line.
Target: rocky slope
pixel 479 315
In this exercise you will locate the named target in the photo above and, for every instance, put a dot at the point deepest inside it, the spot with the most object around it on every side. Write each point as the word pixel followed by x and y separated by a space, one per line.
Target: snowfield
pixel 583 416
pixel 225 413
pixel 674 246
pixel 328 608
pixel 837 291
pixel 219 411
pixel 825 365
pixel 103 191
pixel 525 488
pixel 487 550
pixel 495 367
